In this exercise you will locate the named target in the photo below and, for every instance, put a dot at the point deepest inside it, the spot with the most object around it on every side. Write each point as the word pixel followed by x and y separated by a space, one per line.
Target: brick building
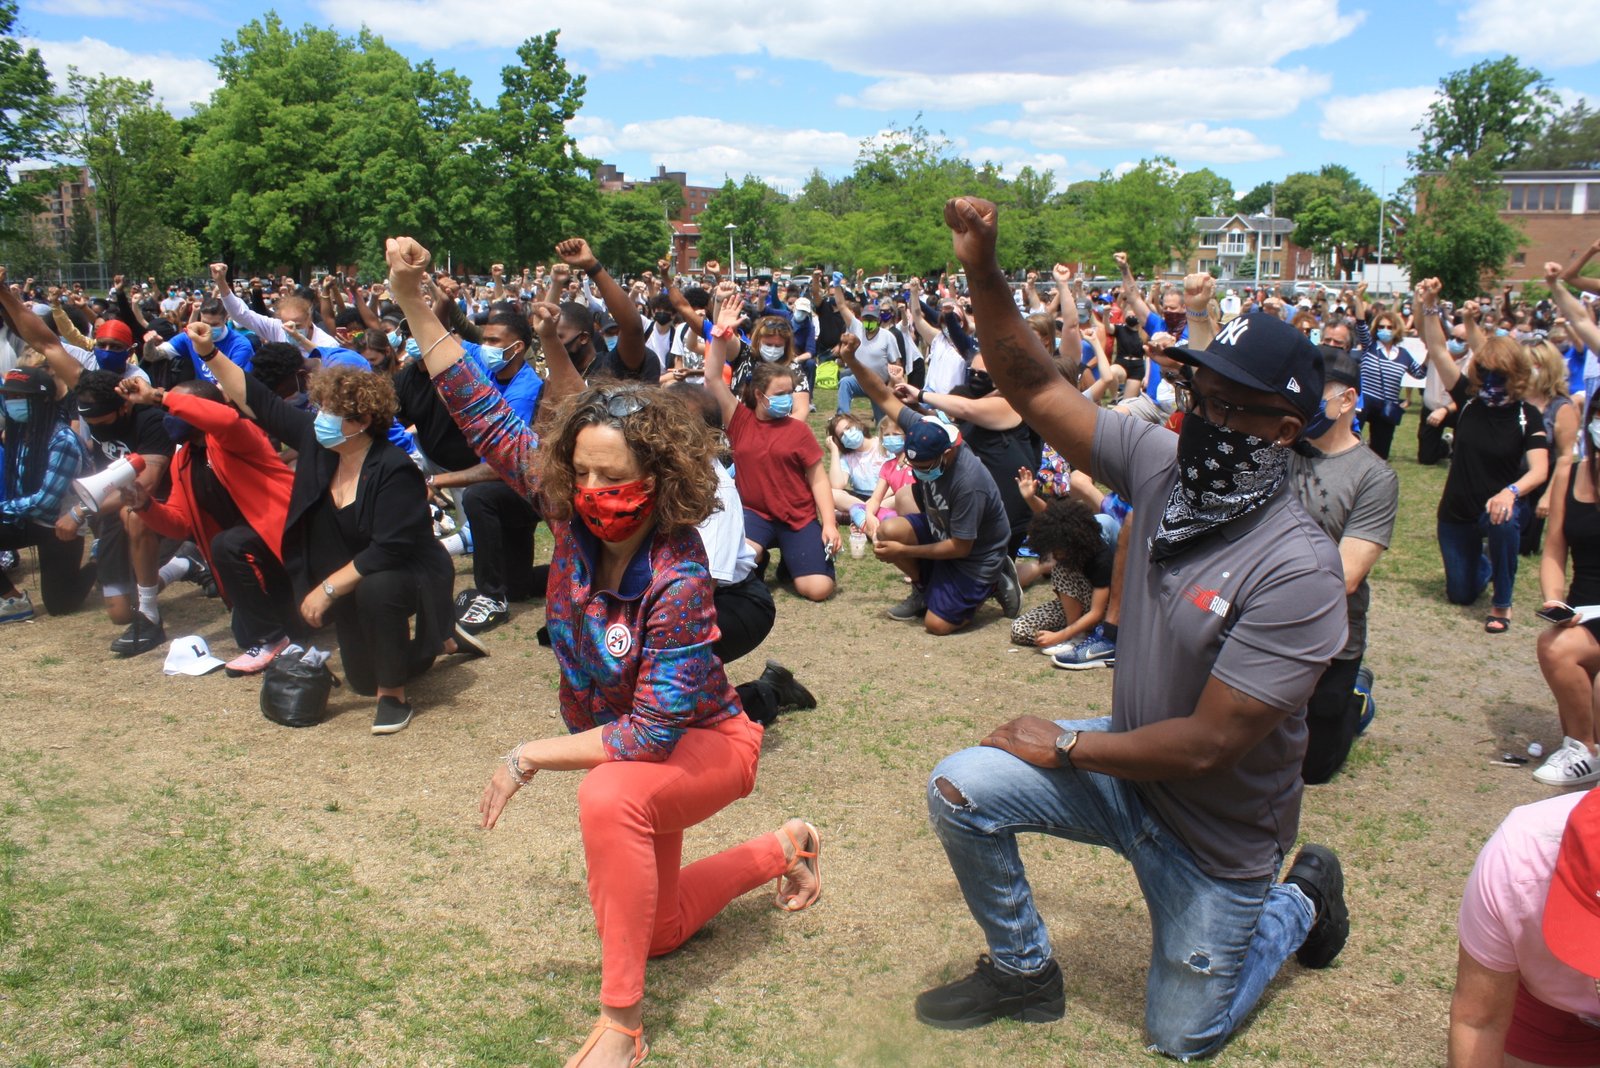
pixel 685 230
pixel 1558 211
pixel 54 223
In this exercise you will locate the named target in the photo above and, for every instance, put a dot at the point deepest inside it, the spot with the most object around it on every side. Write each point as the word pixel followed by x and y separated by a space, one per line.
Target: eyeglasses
pixel 1213 409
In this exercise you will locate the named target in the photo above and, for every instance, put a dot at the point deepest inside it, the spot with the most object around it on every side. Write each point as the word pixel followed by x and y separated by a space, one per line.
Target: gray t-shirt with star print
pixel 1350 494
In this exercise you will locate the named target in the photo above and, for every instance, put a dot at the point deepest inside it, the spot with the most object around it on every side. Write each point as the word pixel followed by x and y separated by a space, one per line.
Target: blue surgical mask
pixel 330 430
pixel 177 428
pixel 852 438
pixel 894 444
pixel 780 406
pixel 219 332
pixel 1594 433
pixel 928 476
pixel 1456 347
pixel 17 409
pixel 413 349
pixel 1320 424
pixel 611 342
pixel 493 358
pixel 1501 333
pixel 1385 335
pixel 111 360
pixel 395 339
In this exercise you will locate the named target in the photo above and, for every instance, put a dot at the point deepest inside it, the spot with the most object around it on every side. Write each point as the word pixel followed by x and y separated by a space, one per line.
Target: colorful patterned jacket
pixel 635 661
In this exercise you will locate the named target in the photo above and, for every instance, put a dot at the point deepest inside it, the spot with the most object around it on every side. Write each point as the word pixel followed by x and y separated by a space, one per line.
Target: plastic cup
pixel 858 544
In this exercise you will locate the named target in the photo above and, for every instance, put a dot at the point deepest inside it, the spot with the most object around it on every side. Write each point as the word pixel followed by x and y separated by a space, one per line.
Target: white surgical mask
pixel 773 353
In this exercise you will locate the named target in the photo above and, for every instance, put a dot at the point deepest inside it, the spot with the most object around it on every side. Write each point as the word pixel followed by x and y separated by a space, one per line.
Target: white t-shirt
pixel 878 352
pixel 1502 911
pixel 946 368
pixel 657 341
pixel 730 557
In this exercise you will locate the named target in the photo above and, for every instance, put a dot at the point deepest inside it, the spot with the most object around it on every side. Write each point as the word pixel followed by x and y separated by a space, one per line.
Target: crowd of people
pixel 1201 478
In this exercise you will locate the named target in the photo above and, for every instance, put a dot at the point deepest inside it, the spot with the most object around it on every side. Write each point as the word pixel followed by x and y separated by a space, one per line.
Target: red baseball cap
pixel 1572 909
pixel 114 330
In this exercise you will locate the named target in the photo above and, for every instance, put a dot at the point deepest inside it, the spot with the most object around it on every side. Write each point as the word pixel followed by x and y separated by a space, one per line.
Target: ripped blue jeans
pixel 1216 943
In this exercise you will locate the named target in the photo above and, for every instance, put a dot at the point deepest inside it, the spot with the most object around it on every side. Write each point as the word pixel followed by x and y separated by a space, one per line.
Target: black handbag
pixel 295 694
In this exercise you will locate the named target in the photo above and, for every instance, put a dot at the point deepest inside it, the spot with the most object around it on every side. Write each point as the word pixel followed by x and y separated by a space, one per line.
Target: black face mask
pixel 980 383
pixel 1222 474
pixel 119 429
pixel 662 317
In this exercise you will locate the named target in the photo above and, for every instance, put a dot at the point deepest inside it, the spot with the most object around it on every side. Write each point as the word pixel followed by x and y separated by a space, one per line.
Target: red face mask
pixel 615 513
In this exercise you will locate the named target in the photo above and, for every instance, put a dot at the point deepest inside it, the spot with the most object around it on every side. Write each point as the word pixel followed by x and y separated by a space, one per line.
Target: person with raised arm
pixel 623 475
pixel 291 310
pixel 1195 776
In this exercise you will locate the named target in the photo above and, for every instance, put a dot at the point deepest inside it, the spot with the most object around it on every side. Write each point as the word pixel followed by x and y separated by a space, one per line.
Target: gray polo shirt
pixel 1351 494
pixel 1260 606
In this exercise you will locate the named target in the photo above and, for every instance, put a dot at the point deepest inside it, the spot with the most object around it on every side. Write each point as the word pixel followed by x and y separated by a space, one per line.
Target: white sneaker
pixel 1061 647
pixel 1571 765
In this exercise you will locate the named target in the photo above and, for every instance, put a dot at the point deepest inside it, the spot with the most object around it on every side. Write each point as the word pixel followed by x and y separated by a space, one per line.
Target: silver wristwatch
pixel 327 588
pixel 1064 744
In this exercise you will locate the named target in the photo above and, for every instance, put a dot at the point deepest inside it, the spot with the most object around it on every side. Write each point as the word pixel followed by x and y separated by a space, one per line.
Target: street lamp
pixel 733 270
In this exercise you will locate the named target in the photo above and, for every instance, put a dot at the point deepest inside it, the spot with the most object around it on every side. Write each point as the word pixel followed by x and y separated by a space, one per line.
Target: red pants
pixel 633 814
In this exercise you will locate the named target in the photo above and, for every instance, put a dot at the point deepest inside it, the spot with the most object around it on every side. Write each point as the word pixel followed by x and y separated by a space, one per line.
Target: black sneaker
pixel 1008 590
pixel 989 994
pixel 1318 874
pixel 791 695
pixel 199 571
pixel 393 715
pixel 464 598
pixel 914 607
pixel 481 614
pixel 142 635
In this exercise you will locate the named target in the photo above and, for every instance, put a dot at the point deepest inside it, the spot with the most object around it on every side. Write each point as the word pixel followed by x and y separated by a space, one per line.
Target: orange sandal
pixel 641 1048
pixel 802 856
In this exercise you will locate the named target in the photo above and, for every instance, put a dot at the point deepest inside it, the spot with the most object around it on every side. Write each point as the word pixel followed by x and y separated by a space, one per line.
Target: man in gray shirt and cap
pixel 1195 776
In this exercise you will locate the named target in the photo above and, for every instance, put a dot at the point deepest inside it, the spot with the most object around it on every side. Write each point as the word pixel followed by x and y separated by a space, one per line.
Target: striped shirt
pixel 1381 375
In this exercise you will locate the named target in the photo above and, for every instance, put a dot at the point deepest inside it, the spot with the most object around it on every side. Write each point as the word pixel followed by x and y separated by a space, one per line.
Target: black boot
pixel 789 693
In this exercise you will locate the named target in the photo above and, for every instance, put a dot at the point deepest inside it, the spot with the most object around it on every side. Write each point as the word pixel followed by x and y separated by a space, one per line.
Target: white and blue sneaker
pixel 1061 647
pixel 1095 651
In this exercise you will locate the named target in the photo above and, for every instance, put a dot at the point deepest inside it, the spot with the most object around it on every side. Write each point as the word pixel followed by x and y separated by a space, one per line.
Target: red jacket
pixel 243 460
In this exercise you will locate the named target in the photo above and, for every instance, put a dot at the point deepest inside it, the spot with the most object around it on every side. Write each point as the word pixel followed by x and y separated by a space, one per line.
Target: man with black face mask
pixel 1195 776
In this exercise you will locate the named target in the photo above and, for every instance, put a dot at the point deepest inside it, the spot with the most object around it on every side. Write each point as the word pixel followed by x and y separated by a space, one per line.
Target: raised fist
pixel 974 225
pixel 199 333
pixel 407 259
pixel 575 252
pixel 1121 258
pixel 1198 289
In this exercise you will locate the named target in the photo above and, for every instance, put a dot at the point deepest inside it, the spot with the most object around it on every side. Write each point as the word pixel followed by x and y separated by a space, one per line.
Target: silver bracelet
pixel 514 765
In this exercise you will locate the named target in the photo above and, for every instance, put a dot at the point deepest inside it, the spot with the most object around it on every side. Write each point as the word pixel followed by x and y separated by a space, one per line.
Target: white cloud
pixel 178 83
pixel 1544 32
pixel 1173 93
pixel 139 10
pixel 1192 142
pixel 945 37
pixel 1386 117
pixel 714 147
pixel 745 74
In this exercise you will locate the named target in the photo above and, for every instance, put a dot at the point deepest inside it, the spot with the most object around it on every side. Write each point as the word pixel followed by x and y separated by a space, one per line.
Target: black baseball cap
pixel 1341 366
pixel 1262 352
pixel 28 382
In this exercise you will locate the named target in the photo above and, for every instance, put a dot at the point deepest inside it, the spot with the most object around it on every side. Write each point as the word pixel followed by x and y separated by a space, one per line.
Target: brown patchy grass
pixel 183 882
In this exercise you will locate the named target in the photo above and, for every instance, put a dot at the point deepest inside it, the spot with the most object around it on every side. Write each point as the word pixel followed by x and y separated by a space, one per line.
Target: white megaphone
pixel 94 489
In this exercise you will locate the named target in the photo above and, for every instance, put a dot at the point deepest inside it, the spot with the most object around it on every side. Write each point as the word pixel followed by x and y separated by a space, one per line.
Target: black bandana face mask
pixel 1222 474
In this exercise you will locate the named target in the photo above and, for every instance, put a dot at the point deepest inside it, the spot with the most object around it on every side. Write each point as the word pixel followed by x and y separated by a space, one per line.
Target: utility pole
pixel 1383 191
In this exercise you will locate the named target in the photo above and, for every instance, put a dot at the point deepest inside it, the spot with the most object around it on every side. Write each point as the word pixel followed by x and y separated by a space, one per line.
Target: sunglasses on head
pixel 620 402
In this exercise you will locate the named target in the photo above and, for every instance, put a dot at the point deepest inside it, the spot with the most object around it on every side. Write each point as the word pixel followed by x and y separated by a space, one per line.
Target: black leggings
pixel 375 635
pixel 745 614
pixel 503 522
pixel 1380 434
pixel 1332 715
pixel 64 583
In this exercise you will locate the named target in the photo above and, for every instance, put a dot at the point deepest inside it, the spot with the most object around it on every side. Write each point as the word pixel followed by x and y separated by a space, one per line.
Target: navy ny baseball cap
pixel 1262 352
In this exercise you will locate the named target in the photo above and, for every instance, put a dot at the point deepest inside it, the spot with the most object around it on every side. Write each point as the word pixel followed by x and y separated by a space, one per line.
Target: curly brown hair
pixel 353 394
pixel 670 441
pixel 1508 356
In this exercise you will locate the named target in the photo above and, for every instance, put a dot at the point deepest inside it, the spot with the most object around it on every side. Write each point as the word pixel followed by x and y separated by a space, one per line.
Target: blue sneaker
pixel 1369 707
pixel 1095 651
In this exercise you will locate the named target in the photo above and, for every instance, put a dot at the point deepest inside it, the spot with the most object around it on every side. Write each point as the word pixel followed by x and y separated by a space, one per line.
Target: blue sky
pixel 1253 89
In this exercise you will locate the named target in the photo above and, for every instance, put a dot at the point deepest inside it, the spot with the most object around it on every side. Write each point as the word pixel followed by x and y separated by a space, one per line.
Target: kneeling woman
pixel 653 720
pixel 358 540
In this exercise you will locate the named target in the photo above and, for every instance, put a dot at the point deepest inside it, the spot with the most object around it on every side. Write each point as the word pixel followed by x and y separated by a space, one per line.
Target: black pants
pixel 745 614
pixel 376 641
pixel 1380 435
pixel 1332 715
pixel 256 583
pixel 503 522
pixel 64 583
pixel 1430 440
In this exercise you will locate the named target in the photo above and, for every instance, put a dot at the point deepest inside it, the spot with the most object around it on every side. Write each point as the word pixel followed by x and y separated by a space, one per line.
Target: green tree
pixel 1499 100
pixel 1457 234
pixel 134 153
pixel 1206 192
pixel 1570 142
pixel 546 186
pixel 1143 214
pixel 28 128
pixel 757 210
pixel 633 231
pixel 1256 201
